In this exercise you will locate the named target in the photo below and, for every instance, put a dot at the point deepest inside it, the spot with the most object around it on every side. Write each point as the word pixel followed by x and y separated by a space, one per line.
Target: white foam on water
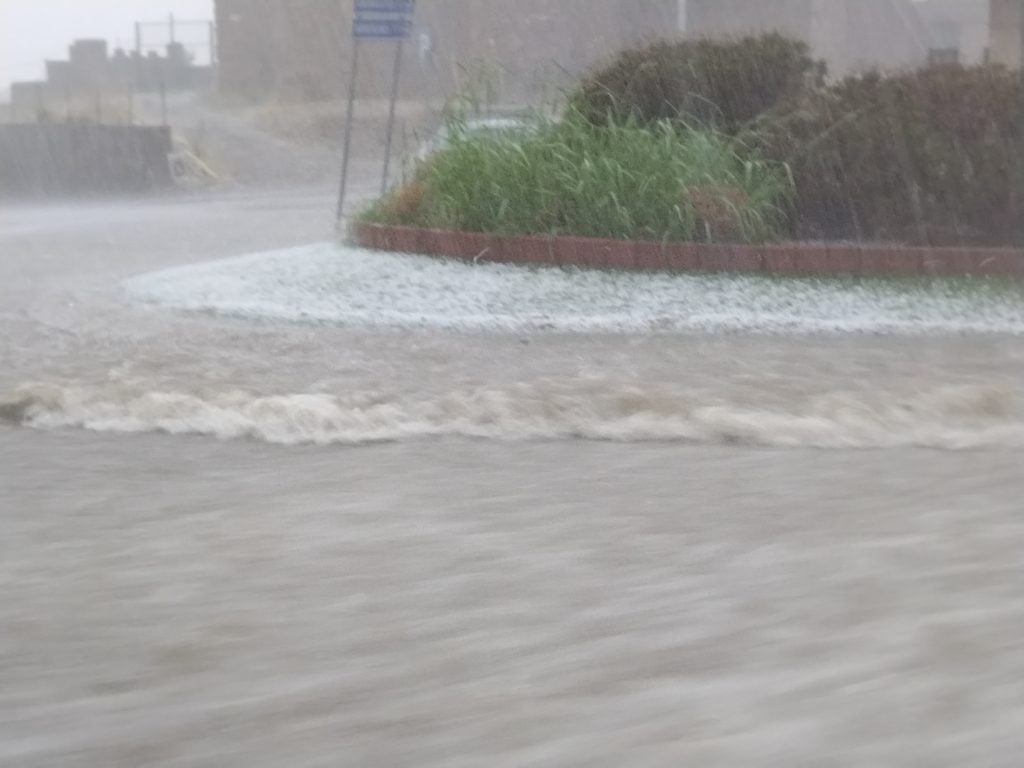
pixel 952 418
pixel 336 285
pixel 333 284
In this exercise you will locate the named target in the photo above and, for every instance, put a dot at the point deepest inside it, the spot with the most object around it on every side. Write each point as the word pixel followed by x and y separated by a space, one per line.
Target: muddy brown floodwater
pixel 509 549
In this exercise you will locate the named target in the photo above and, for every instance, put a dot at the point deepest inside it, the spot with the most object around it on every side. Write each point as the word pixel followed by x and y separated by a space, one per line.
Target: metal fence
pixel 196 38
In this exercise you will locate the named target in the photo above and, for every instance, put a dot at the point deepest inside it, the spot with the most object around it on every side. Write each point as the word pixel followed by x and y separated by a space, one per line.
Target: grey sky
pixel 32 31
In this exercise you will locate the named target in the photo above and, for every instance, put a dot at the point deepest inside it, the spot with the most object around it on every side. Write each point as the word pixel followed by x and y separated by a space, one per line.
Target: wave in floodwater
pixel 946 418
pixel 332 284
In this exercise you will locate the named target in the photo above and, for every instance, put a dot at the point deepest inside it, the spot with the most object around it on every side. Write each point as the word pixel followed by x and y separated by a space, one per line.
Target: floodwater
pixel 260 510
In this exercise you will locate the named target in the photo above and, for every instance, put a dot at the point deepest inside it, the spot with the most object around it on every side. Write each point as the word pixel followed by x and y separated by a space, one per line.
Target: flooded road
pixel 434 545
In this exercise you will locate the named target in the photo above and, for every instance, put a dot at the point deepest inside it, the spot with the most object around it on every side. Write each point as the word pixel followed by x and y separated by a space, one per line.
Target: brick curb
pixel 781 259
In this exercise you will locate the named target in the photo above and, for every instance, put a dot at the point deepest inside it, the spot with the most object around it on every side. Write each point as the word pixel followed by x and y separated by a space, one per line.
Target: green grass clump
pixel 659 181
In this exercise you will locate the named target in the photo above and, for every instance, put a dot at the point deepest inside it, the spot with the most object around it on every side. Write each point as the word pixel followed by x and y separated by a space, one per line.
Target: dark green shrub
pixel 719 84
pixel 929 156
pixel 926 157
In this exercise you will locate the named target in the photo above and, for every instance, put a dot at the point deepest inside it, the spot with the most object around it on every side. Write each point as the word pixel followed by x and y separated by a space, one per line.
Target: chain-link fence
pixel 196 39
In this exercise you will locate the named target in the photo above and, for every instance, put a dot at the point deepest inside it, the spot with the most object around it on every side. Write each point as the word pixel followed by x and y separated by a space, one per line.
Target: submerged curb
pixel 782 259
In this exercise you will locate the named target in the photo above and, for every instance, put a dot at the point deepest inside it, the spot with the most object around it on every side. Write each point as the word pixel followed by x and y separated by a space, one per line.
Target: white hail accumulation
pixel 334 284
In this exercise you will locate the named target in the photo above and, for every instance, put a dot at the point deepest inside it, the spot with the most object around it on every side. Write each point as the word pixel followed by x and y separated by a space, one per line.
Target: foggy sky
pixel 34 30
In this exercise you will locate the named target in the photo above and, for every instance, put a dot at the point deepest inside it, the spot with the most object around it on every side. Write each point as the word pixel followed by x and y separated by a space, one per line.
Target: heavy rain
pixel 481 383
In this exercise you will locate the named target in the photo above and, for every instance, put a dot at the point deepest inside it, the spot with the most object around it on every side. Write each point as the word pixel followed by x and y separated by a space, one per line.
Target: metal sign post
pixel 389 20
pixel 1017 206
pixel 349 114
pixel 391 116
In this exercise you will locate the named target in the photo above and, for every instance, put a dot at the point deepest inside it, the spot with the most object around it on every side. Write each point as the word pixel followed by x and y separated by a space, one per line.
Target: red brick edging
pixel 782 259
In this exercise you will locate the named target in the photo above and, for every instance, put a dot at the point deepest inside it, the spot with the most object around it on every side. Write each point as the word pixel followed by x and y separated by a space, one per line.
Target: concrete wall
pixel 28 98
pixel 78 159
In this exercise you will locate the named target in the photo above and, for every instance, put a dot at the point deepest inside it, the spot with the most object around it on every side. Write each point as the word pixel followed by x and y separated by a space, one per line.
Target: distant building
pixel 304 46
pixel 885 34
pixel 1005 32
pixel 959 29
pixel 90 74
pixel 848 34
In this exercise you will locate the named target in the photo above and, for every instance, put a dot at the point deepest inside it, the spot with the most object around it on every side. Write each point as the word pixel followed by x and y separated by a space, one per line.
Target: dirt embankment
pixel 287 144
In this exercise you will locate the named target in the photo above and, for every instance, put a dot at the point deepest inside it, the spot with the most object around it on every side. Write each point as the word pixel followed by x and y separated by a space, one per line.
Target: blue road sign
pixel 381 29
pixel 383 19
pixel 384 6
pixel 376 20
